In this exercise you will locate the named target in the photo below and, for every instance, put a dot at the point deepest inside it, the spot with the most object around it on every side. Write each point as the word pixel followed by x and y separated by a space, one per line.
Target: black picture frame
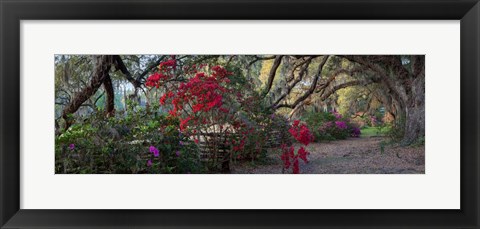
pixel 13 11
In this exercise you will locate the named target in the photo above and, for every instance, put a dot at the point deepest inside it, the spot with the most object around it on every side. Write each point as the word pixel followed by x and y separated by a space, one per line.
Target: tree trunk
pixel 415 112
pixel 109 105
pixel 102 67
pixel 406 85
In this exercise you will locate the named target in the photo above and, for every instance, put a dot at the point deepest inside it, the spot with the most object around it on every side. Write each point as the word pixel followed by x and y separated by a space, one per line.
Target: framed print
pixel 239 114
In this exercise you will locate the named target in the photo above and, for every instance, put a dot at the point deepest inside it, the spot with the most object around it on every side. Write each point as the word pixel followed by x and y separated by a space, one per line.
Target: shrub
pixel 328 126
pixel 355 132
pixel 290 159
pixel 217 110
pixel 121 144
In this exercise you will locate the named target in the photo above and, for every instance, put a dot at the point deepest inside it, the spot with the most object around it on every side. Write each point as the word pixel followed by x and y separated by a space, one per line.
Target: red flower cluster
pixel 220 72
pixel 301 133
pixel 302 154
pixel 289 157
pixel 168 65
pixel 288 153
pixel 184 123
pixel 165 97
pixel 239 147
pixel 165 71
pixel 202 92
pixel 154 79
pixel 243 131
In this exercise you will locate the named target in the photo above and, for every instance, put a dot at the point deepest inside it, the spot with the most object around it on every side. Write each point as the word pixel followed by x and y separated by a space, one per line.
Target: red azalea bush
pixel 199 103
pixel 214 112
pixel 301 133
pixel 217 114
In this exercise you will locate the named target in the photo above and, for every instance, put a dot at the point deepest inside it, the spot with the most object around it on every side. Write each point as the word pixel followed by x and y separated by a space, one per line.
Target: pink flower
pixel 149 163
pixel 155 151
pixel 341 125
pixel 71 146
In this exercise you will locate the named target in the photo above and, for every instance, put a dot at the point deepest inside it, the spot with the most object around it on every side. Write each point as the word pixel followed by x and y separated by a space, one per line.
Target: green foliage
pixel 272 130
pixel 315 120
pixel 120 144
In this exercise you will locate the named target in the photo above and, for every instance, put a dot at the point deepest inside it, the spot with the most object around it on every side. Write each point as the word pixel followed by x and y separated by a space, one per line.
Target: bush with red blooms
pixel 198 102
pixel 302 134
pixel 212 110
pixel 290 158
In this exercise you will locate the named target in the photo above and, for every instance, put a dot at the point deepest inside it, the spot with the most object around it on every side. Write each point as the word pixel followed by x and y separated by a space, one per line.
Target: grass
pixel 373 131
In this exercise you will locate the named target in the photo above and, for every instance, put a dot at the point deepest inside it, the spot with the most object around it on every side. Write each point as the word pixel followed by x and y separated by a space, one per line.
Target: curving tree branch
pixel 272 73
pixel 325 94
pixel 311 89
pixel 302 72
pixel 102 67
pixel 257 58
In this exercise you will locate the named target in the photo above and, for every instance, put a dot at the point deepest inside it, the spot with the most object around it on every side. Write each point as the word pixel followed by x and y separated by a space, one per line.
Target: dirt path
pixel 351 156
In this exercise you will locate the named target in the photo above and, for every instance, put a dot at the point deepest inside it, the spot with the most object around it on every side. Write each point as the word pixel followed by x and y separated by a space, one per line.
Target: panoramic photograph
pixel 239 114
